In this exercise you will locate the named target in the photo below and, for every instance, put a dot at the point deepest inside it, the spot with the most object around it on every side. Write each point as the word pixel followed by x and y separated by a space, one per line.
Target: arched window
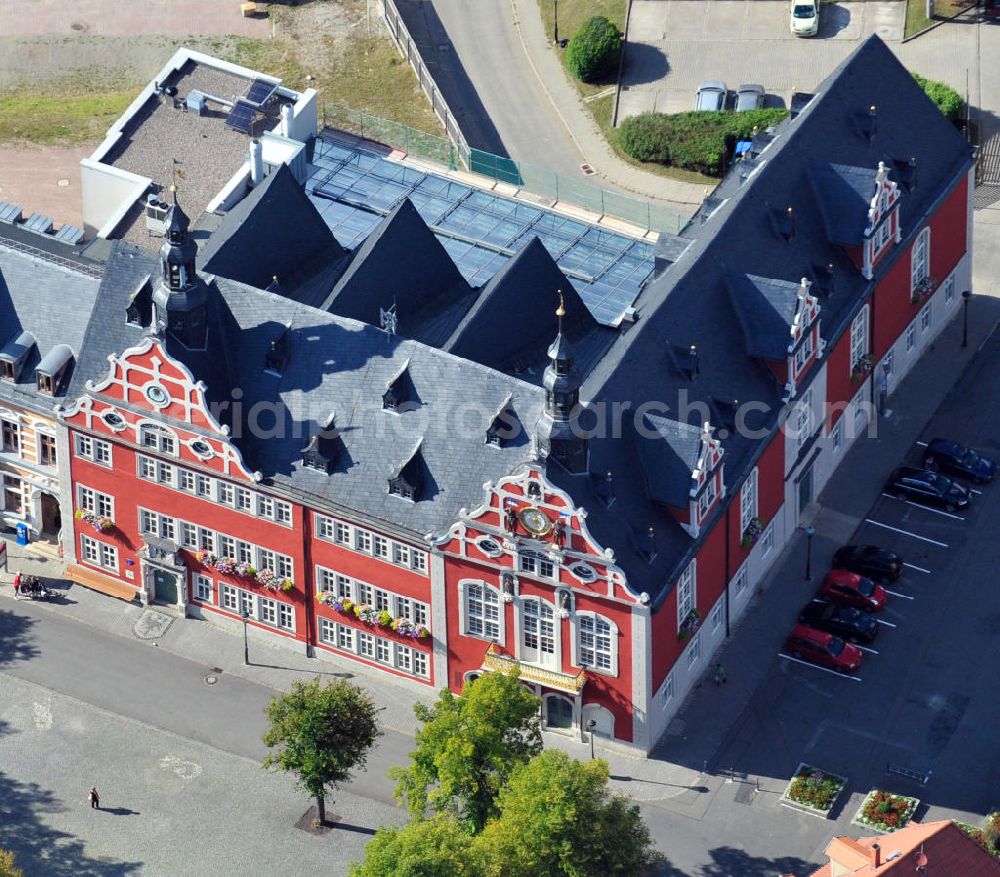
pixel 481 611
pixel 558 711
pixel 596 643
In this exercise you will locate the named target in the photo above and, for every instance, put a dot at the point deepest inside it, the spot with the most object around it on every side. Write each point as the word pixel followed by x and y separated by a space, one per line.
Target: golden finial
pixel 561 310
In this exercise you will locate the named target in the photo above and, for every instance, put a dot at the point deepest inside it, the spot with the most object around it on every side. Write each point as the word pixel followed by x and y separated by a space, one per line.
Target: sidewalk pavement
pixel 683 197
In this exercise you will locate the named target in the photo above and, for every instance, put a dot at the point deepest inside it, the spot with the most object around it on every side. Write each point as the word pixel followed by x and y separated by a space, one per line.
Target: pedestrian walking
pixel 94 798
pixel 720 674
pixel 17 583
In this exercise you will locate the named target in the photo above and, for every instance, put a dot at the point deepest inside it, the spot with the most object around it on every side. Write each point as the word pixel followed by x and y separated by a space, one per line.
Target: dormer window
pixel 400 392
pixel 324 449
pixel 140 307
pixel 49 372
pixel 409 481
pixel 278 352
pixel 14 355
pixel 503 427
pixel 6 370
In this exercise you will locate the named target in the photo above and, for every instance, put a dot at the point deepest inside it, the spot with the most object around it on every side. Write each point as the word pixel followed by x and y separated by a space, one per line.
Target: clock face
pixel 534 521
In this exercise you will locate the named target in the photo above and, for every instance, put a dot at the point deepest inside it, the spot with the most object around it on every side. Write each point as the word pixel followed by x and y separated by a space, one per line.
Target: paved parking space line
pixel 917 568
pixel 886 623
pixel 926 508
pixel 897 594
pixel 905 533
pixel 817 667
pixel 866 649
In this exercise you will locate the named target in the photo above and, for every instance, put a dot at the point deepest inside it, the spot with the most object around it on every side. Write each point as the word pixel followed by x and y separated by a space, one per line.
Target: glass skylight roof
pixel 354 189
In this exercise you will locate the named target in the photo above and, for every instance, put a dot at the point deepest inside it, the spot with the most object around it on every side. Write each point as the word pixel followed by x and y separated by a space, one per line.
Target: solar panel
pixel 260 92
pixel 241 116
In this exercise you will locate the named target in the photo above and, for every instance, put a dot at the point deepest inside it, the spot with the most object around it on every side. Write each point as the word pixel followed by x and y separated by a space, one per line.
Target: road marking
pixel 897 594
pixel 866 649
pixel 905 533
pixel 922 444
pixel 917 568
pixel 817 667
pixel 926 508
pixel 886 623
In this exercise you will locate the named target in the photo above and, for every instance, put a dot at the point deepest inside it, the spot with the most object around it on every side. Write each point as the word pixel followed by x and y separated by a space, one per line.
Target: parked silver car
pixel 749 97
pixel 711 96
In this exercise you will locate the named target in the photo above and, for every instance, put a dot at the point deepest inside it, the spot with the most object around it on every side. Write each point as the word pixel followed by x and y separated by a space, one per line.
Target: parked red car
pixel 822 648
pixel 850 589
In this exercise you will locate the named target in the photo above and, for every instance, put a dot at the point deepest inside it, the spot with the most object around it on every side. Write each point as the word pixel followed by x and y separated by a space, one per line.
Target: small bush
pixel 697 141
pixel 948 100
pixel 594 48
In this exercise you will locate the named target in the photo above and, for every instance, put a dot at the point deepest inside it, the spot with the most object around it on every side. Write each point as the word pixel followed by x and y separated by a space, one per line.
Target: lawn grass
pixel 55 118
pixel 602 109
pixel 916 14
pixel 573 13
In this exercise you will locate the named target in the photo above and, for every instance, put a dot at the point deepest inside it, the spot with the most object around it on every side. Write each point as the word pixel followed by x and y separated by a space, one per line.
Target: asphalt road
pixel 492 88
pixel 139 681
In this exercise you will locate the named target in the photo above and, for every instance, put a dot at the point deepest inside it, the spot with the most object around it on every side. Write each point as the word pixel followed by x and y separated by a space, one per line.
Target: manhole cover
pixel 63 183
pixel 211 680
pixel 78 26
pixel 151 624
pixel 587 169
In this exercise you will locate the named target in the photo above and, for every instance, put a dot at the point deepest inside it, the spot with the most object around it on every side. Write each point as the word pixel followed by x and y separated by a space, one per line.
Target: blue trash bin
pixel 22 534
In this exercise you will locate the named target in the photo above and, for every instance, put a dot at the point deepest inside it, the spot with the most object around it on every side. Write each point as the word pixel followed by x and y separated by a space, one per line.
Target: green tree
pixel 467 748
pixel 594 48
pixel 324 732
pixel 558 817
pixel 7 867
pixel 436 847
pixel 947 99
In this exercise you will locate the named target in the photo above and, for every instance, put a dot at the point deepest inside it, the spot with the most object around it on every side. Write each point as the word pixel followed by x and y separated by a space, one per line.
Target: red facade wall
pixel 770 496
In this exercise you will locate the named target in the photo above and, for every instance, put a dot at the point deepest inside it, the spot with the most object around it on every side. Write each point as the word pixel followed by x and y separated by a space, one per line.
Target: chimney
pixel 286 120
pixel 876 855
pixel 787 224
pixel 256 163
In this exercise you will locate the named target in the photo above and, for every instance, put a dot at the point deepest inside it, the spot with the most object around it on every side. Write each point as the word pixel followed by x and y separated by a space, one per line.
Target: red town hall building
pixel 588 500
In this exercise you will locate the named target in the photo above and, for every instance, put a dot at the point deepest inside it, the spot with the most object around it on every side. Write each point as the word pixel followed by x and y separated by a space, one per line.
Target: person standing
pixel 94 798
pixel 720 674
pixel 17 583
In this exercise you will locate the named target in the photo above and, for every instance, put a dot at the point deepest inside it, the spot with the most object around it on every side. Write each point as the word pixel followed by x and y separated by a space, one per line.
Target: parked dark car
pixel 823 648
pixel 869 560
pixel 959 461
pixel 850 589
pixel 844 621
pixel 749 97
pixel 928 487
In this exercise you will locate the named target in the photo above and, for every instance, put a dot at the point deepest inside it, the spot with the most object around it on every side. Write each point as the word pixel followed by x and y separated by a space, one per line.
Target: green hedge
pixel 948 100
pixel 697 141
pixel 593 50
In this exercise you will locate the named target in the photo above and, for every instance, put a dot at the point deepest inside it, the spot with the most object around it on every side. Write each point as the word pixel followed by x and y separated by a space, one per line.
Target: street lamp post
pixel 965 317
pixel 591 724
pixel 246 645
pixel 810 532
pixel 555 21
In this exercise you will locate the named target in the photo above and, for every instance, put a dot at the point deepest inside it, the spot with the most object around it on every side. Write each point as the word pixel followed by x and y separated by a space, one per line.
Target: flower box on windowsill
pixel 923 290
pixel 375 617
pixel 884 812
pixel 101 525
pixel 752 533
pixel 813 791
pixel 241 569
pixel 690 624
pixel 862 368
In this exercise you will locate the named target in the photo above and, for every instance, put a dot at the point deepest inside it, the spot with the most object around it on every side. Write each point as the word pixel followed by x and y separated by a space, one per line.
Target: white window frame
pixel 687 592
pixel 203 590
pixel 837 435
pixel 491 597
pixel 716 615
pixel 926 317
pixel 767 538
pixel 707 497
pixel 158 438
pixel 87 447
pixel 803 351
pixel 692 653
pixel 949 290
pixel 859 336
pixel 920 258
pixel 911 336
pixel 15 428
pixel 741 580
pixel 98 553
pixel 578 647
pixel 667 694
pixel 748 500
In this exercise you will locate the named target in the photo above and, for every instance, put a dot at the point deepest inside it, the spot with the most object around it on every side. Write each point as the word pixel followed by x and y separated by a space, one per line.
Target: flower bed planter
pixel 813 791
pixel 883 812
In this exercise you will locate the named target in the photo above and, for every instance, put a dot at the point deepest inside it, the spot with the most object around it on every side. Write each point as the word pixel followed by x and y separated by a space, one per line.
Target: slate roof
pixel 668 454
pixel 690 302
pixel 765 309
pixel 514 314
pixel 275 230
pixel 844 195
pixel 403 263
pixel 53 303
